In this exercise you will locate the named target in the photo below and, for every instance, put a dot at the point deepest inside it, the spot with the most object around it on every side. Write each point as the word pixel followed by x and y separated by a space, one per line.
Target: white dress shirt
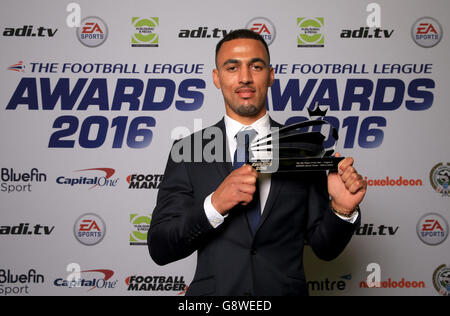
pixel 262 127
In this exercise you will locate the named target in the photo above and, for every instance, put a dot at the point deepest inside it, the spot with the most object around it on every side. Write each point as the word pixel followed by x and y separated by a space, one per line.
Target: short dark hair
pixel 242 33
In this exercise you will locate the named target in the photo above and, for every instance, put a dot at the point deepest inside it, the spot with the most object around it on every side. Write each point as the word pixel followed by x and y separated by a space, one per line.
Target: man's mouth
pixel 245 93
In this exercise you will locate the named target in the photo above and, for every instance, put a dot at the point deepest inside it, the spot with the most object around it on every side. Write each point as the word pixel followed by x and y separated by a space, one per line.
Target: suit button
pixel 248 294
pixel 253 252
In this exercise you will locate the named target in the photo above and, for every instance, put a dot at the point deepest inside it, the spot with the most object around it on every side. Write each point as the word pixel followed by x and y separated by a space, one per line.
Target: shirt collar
pixel 261 126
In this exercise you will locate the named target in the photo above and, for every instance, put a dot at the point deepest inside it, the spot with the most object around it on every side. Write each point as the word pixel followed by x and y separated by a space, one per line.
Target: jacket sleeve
pixel 179 223
pixel 327 234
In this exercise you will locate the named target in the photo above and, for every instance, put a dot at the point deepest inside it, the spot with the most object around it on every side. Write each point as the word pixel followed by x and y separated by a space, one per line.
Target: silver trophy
pixel 297 147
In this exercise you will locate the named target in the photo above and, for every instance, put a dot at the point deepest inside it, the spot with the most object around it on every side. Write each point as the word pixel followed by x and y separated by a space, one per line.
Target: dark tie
pixel 241 157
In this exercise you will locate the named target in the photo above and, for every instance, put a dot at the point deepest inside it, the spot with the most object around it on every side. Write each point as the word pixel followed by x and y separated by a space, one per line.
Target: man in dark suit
pixel 249 229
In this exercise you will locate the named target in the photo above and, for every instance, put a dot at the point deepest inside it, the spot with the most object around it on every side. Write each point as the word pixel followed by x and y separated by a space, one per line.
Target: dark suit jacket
pixel 231 261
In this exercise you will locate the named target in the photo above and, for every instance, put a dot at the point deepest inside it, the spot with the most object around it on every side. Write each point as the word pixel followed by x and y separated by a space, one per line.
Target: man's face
pixel 243 74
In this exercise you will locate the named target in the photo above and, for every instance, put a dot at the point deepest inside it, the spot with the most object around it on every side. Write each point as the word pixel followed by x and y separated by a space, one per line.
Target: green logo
pixel 139 230
pixel 145 32
pixel 310 32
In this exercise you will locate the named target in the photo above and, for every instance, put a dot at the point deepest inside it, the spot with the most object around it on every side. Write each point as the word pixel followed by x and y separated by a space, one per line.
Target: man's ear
pixel 216 78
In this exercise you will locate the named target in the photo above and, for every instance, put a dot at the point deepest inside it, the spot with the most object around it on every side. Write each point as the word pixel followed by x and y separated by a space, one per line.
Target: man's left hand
pixel 346 187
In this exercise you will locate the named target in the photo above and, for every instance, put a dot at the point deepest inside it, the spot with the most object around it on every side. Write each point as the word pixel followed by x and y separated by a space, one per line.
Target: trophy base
pixel 297 164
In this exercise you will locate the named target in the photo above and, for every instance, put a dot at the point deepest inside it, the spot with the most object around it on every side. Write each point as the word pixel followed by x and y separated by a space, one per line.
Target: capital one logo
pixel 102 178
pixel 92 279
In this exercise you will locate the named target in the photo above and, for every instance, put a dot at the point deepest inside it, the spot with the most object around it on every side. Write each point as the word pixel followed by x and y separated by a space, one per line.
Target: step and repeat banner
pixel 93 93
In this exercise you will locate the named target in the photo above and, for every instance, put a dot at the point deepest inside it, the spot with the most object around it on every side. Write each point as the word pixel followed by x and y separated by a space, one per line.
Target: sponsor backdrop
pixel 88 114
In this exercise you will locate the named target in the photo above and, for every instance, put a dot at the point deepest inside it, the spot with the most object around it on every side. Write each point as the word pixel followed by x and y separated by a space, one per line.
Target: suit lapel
pixel 275 187
pixel 276 184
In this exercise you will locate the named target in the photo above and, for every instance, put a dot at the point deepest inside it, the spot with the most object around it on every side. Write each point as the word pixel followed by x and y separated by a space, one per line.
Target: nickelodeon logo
pixel 393 182
pixel 391 284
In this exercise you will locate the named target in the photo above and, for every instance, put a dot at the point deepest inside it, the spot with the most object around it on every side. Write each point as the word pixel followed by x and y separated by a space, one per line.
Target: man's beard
pixel 249 110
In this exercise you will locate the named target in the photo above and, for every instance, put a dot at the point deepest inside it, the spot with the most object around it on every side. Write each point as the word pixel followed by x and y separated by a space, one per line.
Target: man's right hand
pixel 237 188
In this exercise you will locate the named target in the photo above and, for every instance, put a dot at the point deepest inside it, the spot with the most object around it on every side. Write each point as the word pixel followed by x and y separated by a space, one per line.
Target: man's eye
pixel 256 67
pixel 232 68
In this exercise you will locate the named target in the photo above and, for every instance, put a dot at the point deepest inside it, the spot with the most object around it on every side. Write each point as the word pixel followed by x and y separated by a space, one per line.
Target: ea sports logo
pixel 263 27
pixel 89 229
pixel 432 229
pixel 92 32
pixel 426 32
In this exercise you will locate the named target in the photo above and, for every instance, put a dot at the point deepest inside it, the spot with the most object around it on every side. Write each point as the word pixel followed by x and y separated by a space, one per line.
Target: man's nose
pixel 245 76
